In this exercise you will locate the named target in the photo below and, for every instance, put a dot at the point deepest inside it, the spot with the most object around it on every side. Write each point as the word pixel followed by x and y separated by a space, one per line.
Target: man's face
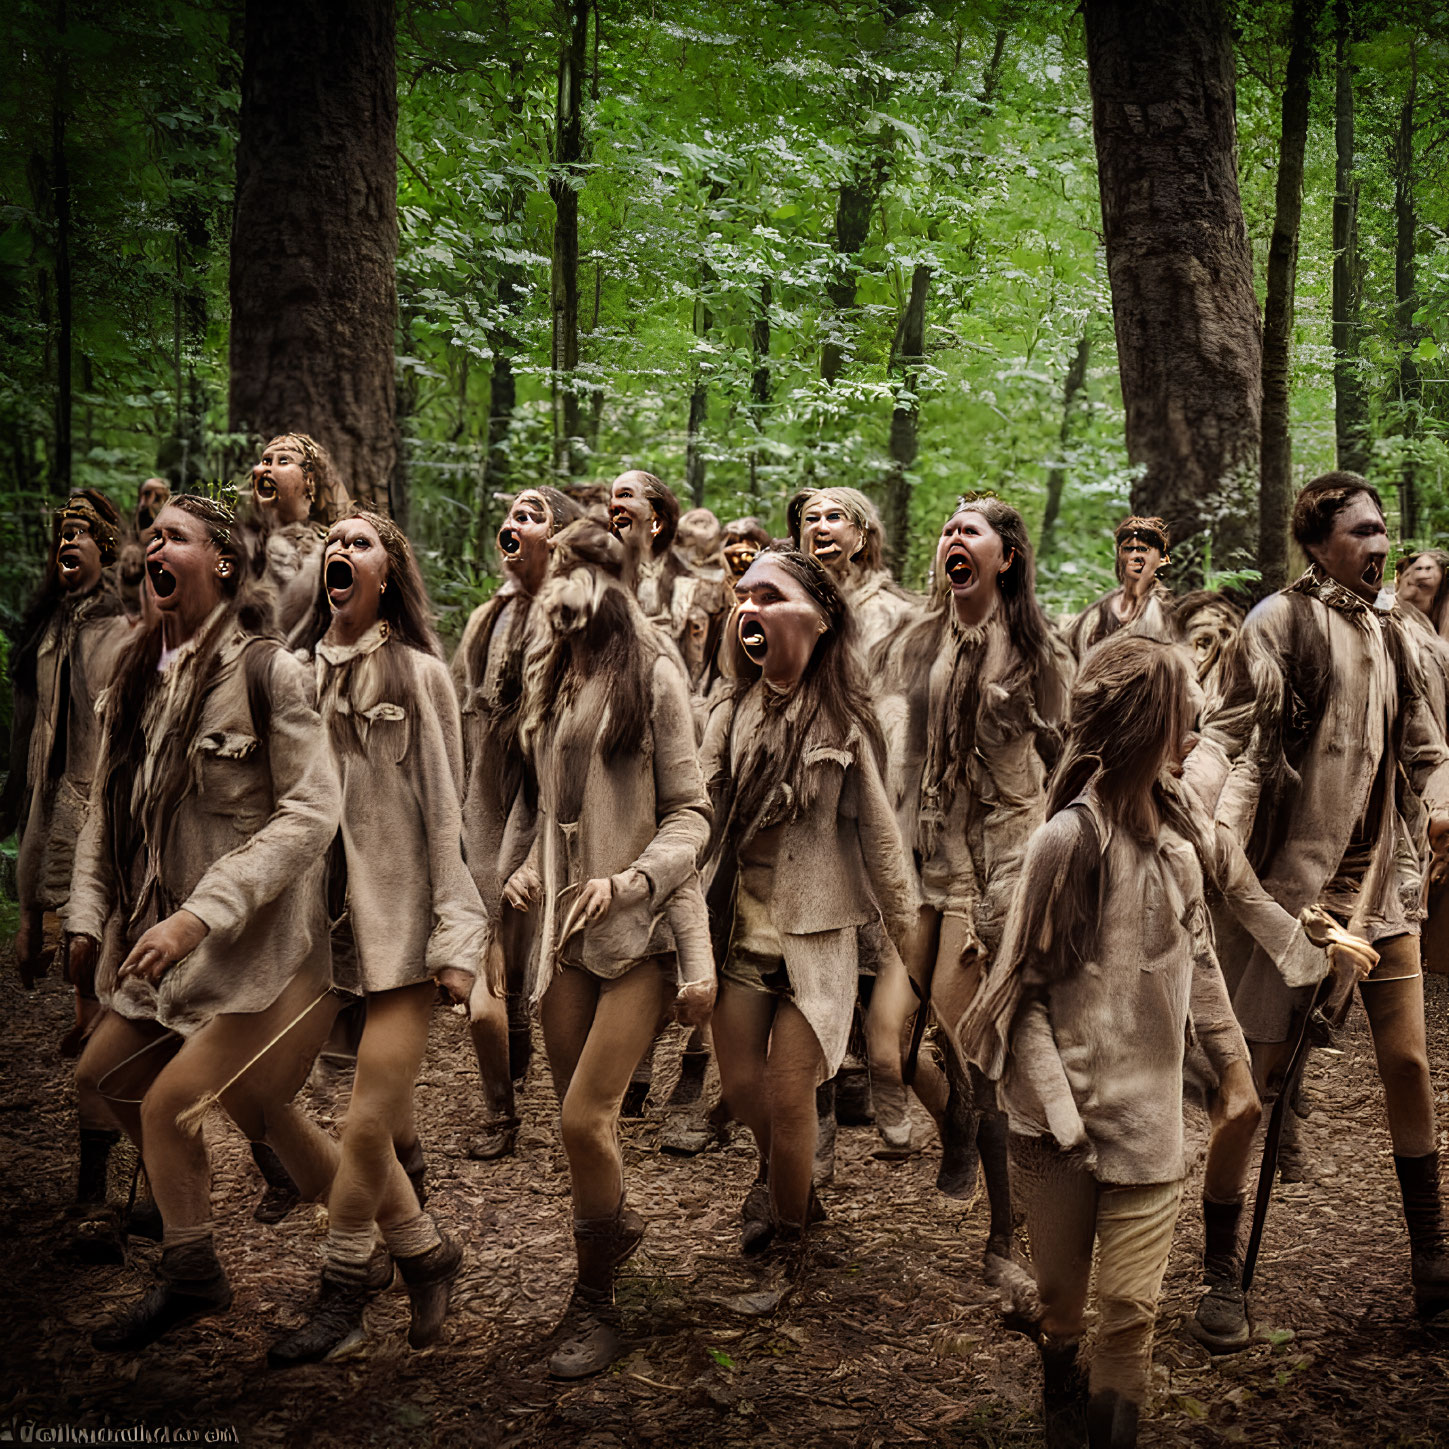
pixel 1354 552
pixel 354 569
pixel 1138 561
pixel 149 503
pixel 181 563
pixel 523 538
pixel 281 486
pixel 777 621
pixel 631 515
pixel 77 557
pixel 830 535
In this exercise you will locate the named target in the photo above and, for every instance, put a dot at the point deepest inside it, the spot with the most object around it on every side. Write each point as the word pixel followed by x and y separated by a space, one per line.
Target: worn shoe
pixel 96 1238
pixel 429 1277
pixel 1423 1213
pixel 192 1284
pixel 334 1327
pixel 757 1224
pixel 591 1335
pixel 281 1194
pixel 497 1139
pixel 1221 1321
pixel 1063 1396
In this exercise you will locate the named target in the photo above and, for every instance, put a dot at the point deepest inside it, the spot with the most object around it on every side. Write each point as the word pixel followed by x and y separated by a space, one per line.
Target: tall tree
pixel 1057 474
pixel 64 301
pixel 314 236
pixel 1189 342
pixel 1406 293
pixel 564 180
pixel 1350 403
pixel 1276 449
pixel 908 352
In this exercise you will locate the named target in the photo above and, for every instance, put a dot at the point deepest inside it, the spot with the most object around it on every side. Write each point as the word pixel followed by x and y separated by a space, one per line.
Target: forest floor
pixel 891 1339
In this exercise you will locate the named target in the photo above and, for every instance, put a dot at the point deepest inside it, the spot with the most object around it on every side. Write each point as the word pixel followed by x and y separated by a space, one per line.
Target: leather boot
pixel 499 1134
pixel 1063 1396
pixel 757 1225
pixel 1221 1321
pixel 1112 1421
pixel 591 1332
pixel 1423 1212
pixel 192 1284
pixel 429 1278
pixel 852 1094
pixel 823 1169
pixel 281 1194
pixel 687 1131
pixel 334 1327
pixel 960 1158
pixel 416 1168
pixel 520 1038
pixel 892 1115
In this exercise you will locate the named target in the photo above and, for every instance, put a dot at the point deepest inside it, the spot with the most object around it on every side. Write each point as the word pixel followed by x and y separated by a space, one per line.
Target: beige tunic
pixel 1375 759
pixel 73 665
pixel 1099 621
pixel 245 849
pixel 645 810
pixel 413 906
pixel 808 882
pixel 879 609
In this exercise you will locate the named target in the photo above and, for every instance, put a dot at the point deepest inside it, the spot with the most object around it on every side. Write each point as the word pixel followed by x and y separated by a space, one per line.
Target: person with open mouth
pixel 488 674
pixel 1141 601
pixel 976 689
pixel 199 899
pixel 806 852
pixel 412 918
pixel 296 493
pixel 621 819
pixel 1341 801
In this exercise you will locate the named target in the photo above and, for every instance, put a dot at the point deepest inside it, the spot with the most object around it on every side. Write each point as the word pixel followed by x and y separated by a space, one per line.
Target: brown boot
pixel 281 1195
pixel 429 1278
pixel 591 1332
pixel 1423 1212
pixel 499 1135
pixel 1221 1321
pixel 192 1283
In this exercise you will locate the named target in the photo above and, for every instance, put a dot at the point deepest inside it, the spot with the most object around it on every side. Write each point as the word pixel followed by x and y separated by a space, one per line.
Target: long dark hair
pixel 137 677
pixel 587 623
pixel 404 606
pixel 1130 705
pixel 829 704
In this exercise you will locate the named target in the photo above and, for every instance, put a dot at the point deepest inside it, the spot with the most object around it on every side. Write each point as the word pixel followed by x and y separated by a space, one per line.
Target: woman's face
pixel 523 539
pixel 181 566
pixel 970 556
pixel 1420 582
pixel 354 570
pixel 777 621
pixel 77 557
pixel 281 487
pixel 829 534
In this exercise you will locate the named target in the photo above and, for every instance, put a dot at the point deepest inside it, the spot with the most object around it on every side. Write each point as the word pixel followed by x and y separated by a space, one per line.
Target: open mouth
pixel 752 640
pixel 508 541
pixel 619 519
pixel 339 579
pixel 69 561
pixel 1373 574
pixel 958 570
pixel 163 581
pixel 825 549
pixel 266 489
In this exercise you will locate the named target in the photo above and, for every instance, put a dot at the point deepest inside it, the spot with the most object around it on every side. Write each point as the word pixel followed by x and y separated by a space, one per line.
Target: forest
pixel 1180 257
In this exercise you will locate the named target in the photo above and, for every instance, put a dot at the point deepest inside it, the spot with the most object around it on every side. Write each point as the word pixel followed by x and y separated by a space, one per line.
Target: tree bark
pixel 1275 500
pixel 1406 294
pixel 565 177
pixel 699 393
pixel 1188 338
pixel 314 236
pixel 908 352
pixel 1350 404
pixel 759 381
pixel 1057 475
pixel 60 180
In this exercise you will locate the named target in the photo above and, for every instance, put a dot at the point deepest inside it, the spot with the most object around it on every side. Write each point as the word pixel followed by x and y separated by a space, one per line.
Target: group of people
pixel 861 842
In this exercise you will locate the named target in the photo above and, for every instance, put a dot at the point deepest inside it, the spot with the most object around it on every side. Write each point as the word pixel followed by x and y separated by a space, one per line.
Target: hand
pixel 458 984
pixel 1349 962
pixel 523 887
pixel 80 963
pixel 595 898
pixel 1237 1098
pixel 166 943
pixel 694 1003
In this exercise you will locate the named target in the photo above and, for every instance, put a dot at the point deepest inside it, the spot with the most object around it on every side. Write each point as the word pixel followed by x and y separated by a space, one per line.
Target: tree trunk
pixel 1350 405
pixel 60 180
pixel 854 206
pixel 502 397
pixel 314 236
pixel 1189 343
pixel 1406 295
pixel 699 393
pixel 565 177
pixel 908 353
pixel 1275 500
pixel 759 381
pixel 1057 475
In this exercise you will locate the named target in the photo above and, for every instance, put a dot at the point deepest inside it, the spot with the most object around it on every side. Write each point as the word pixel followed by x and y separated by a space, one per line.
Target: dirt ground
pixel 891 1339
